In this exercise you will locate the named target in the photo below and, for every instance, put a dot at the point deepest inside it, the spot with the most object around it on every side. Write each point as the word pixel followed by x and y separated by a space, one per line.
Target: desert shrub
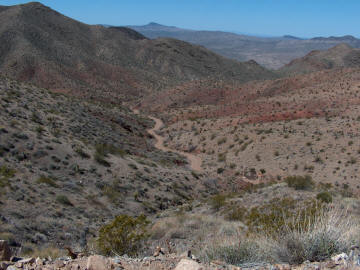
pixel 195 175
pixel 244 252
pixel 40 130
pixel 236 213
pixel 81 153
pixel 102 150
pixel 5 174
pixel 124 235
pixel 278 216
pixel 133 166
pixel 332 232
pixel 105 149
pixel 222 157
pixel 300 182
pixel 324 196
pixel 217 201
pixel 63 200
pixel 46 180
pixel 101 160
pixel 220 170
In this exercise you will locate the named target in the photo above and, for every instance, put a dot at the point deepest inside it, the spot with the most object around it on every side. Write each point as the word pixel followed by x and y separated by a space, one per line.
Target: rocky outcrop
pixel 172 262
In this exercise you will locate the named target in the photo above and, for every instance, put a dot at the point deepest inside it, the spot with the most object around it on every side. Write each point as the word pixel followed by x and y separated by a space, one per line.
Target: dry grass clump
pixel 332 231
pixel 246 251
pixel 313 236
pixel 188 229
pixel 31 250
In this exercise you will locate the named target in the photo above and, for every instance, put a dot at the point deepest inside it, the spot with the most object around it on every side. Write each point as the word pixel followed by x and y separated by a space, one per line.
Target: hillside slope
pixel 67 166
pixel 39 45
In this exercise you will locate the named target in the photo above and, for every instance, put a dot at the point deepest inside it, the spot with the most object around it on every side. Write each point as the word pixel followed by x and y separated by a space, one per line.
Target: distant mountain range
pixel 42 46
pixel 271 52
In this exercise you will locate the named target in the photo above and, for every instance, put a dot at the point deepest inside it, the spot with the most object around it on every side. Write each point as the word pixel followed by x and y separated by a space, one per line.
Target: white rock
pixel 340 258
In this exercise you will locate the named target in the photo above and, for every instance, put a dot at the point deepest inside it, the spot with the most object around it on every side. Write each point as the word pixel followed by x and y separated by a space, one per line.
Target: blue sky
pixel 303 18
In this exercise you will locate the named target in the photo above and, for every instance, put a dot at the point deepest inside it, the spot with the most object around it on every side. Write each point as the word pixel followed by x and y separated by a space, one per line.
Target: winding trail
pixel 195 161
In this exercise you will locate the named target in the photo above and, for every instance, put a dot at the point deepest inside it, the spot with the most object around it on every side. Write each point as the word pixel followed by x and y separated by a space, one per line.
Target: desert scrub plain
pixel 68 166
pixel 326 148
pixel 262 131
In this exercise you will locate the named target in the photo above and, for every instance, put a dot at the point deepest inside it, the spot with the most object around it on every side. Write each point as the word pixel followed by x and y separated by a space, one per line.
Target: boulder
pixel 340 258
pixel 186 264
pixel 98 262
pixel 4 265
pixel 5 252
pixel 23 262
pixel 12 267
pixel 39 261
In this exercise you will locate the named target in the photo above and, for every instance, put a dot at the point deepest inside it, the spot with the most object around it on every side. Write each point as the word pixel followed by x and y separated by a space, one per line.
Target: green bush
pixel 324 196
pixel 124 235
pixel 300 182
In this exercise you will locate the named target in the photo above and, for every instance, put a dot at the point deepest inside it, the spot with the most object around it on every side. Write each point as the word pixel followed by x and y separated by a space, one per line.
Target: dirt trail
pixel 195 161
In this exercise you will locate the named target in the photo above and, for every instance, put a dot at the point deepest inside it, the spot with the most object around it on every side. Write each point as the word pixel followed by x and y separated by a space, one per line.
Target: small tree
pixel 124 235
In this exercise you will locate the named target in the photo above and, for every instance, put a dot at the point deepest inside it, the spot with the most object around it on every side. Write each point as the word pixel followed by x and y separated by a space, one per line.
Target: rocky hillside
pixel 273 52
pixel 39 45
pixel 68 166
pixel 340 56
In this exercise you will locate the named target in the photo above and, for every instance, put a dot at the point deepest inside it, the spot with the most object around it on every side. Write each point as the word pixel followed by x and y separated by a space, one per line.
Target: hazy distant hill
pixel 269 52
pixel 340 56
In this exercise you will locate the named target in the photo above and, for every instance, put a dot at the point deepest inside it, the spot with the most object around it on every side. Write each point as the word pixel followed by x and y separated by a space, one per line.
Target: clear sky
pixel 303 18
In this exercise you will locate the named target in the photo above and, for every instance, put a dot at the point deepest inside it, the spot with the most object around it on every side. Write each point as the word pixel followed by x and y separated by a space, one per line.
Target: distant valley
pixel 272 52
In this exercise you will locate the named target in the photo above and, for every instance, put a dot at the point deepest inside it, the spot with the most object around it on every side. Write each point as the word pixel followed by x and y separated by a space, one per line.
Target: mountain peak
pixel 291 37
pixel 154 24
pixel 33 4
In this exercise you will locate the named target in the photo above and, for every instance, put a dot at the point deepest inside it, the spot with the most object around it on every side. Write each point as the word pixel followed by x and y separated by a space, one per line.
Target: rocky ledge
pixel 161 261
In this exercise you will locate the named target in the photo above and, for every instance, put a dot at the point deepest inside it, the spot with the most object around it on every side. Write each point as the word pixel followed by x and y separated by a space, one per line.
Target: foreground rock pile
pixel 161 261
